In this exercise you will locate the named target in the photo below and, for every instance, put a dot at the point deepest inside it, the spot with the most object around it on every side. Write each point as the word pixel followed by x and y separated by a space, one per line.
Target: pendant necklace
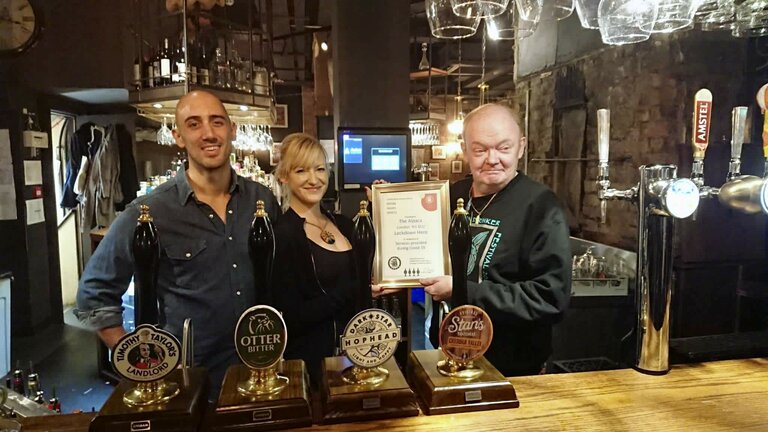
pixel 325 235
pixel 472 206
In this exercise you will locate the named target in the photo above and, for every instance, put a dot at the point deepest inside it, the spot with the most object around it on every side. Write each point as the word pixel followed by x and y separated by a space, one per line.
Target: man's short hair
pixel 482 108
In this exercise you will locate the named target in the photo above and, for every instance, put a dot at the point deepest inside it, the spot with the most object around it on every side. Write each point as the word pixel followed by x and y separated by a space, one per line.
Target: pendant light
pixel 456 127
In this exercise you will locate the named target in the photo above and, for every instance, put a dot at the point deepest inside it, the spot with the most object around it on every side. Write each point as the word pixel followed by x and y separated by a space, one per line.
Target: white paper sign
pixel 33 172
pixel 5 147
pixel 35 213
pixel 8 203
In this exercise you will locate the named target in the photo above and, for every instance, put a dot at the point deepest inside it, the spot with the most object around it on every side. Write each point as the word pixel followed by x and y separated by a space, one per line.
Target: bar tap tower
pixel 745 193
pixel 661 198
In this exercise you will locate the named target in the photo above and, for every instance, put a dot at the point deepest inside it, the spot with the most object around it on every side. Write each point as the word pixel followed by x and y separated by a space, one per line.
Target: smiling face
pixel 492 147
pixel 303 169
pixel 204 131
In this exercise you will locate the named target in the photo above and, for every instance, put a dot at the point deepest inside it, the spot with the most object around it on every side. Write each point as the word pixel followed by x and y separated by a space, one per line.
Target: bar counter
pixel 724 395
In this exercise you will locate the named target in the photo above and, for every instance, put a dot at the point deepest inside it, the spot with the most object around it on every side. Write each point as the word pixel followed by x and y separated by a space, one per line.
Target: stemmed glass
pixel 164 135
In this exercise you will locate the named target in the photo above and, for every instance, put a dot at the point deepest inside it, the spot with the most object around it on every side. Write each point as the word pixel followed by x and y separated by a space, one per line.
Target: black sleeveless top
pixel 333 269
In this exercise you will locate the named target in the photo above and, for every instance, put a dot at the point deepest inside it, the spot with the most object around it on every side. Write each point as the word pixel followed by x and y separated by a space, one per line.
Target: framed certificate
pixel 411 221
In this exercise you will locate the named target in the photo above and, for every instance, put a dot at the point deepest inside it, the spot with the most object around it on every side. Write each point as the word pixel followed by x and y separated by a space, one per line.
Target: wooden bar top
pixel 714 396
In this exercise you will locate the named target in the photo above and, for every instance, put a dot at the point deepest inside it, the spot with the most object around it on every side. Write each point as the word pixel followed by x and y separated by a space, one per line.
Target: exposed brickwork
pixel 649 88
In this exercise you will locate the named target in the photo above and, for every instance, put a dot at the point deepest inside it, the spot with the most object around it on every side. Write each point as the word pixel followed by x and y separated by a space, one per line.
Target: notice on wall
pixel 5 147
pixel 7 187
pixel 33 172
pixel 35 213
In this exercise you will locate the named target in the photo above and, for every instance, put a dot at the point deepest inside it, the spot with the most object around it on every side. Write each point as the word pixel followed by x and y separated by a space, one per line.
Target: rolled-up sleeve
pixel 107 275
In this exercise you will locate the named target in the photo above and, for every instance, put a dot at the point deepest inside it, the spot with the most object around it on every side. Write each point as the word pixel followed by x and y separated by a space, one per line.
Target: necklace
pixel 472 206
pixel 325 235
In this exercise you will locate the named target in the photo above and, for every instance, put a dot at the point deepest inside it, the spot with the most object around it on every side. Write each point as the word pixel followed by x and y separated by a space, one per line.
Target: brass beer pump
pixel 265 392
pixel 457 377
pixel 155 394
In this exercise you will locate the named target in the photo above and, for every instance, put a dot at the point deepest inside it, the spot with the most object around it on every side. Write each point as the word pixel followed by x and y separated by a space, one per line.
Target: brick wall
pixel 649 88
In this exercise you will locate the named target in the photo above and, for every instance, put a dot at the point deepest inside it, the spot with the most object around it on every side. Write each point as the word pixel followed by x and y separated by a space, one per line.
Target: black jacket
pixel 310 311
pixel 519 271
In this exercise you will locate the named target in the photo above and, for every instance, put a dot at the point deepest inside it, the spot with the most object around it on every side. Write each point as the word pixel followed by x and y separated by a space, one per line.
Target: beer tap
pixel 702 115
pixel 261 249
pixel 146 256
pixel 604 190
pixel 762 98
pixel 738 124
pixel 459 245
pixel 365 246
pixel 745 193
pixel 661 197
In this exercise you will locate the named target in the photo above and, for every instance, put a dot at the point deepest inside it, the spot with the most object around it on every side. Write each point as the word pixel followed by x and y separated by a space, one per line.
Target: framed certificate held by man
pixel 411 221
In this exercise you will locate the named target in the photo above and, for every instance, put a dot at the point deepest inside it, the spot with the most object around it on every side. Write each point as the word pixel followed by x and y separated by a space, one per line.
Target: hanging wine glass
pixel 587 12
pixel 164 135
pixel 445 24
pixel 672 15
pixel 529 10
pixel 555 10
pixel 626 21
pixel 502 27
pixel 479 8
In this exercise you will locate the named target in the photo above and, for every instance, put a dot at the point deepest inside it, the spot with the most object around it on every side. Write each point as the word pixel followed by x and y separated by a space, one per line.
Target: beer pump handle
pixel 261 248
pixel 738 124
pixel 603 134
pixel 146 258
pixel 762 100
pixel 702 114
pixel 364 242
pixel 459 244
pixel 603 141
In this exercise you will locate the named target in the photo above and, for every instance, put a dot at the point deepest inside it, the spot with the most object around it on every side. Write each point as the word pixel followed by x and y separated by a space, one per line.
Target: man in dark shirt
pixel 519 266
pixel 203 216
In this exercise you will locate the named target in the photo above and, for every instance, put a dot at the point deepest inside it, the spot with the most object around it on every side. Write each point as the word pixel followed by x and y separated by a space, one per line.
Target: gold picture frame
pixel 411 222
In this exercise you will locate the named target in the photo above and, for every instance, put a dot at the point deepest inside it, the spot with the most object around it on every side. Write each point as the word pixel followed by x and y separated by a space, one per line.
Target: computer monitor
pixel 368 154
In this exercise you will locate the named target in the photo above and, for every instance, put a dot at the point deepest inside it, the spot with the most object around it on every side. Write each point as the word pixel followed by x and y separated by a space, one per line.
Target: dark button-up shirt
pixel 204 271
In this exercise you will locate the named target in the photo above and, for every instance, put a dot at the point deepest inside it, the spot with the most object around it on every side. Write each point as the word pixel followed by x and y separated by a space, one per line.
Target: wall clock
pixel 19 26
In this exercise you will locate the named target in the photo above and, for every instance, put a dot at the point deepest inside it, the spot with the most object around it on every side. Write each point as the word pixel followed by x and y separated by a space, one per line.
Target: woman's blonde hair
pixel 298 150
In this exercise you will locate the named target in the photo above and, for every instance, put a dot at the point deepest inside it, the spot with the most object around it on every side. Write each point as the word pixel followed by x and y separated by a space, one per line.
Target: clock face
pixel 18 25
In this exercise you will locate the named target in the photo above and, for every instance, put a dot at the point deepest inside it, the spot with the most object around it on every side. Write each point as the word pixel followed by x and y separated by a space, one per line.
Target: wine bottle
pixel 220 69
pixel 193 76
pixel 165 64
pixel 156 67
pixel 203 66
pixel 137 73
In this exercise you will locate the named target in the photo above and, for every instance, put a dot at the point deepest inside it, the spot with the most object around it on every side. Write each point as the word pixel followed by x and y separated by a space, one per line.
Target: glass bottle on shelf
pixel 156 67
pixel 193 74
pixel 179 64
pixel 235 69
pixel 165 63
pixel 220 70
pixel 137 73
pixel 203 65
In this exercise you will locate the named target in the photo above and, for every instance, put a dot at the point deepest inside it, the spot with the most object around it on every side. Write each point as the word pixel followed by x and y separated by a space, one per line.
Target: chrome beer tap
pixel 661 197
pixel 738 125
pixel 604 190
pixel 702 115
pixel 745 193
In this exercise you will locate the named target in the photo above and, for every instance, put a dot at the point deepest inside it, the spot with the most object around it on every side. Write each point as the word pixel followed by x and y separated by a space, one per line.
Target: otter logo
pixel 370 338
pixel 260 337
pixel 466 333
pixel 146 354
pixel 394 263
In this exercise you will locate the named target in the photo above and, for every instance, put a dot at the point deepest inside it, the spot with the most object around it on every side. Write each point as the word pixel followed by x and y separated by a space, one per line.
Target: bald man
pixel 202 216
pixel 519 268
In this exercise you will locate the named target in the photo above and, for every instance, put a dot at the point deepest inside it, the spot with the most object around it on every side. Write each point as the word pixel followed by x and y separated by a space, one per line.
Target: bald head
pixel 494 109
pixel 197 97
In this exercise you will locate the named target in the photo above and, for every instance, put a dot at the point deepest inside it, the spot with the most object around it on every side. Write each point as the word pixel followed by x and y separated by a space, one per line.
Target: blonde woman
pixel 315 274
